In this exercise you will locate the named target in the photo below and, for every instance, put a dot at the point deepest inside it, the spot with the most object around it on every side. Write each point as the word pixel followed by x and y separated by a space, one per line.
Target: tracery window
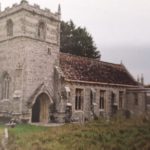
pixel 9 27
pixel 41 30
pixel 5 86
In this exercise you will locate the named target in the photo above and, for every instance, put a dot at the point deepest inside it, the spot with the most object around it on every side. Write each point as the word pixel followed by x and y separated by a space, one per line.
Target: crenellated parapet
pixel 24 5
pixel 30 21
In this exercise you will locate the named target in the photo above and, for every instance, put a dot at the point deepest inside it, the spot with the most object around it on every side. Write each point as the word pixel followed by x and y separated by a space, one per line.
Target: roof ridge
pixel 92 59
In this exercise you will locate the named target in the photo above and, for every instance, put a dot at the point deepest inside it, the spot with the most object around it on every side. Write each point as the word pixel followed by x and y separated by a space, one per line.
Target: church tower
pixel 29 49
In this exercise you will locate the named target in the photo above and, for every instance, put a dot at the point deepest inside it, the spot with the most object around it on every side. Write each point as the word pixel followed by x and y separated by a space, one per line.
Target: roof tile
pixel 87 69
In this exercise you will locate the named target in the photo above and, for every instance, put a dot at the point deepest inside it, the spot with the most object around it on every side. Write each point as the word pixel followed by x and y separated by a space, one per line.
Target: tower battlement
pixel 24 5
pixel 25 20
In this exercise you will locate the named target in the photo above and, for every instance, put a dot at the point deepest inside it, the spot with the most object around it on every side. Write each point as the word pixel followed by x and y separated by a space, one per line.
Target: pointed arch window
pixel 5 86
pixel 9 27
pixel 41 30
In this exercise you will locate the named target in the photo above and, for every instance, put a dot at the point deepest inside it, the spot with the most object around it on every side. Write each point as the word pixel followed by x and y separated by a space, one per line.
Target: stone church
pixel 40 84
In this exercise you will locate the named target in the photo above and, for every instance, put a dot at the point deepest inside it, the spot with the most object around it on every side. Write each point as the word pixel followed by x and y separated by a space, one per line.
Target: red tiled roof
pixel 91 70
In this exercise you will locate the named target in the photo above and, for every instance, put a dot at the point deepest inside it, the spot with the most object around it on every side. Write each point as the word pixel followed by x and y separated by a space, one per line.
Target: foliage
pixel 77 41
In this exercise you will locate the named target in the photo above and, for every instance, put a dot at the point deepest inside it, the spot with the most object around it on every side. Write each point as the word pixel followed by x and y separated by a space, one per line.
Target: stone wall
pixel 85 113
pixel 28 59
pixel 12 55
pixel 136 107
pixel 40 66
pixel 148 102
pixel 128 103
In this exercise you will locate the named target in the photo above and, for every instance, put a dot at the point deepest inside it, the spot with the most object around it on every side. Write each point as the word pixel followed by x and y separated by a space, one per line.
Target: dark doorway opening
pixel 36 111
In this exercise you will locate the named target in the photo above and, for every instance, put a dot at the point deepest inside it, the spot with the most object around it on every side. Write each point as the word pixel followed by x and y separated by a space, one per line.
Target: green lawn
pixel 96 135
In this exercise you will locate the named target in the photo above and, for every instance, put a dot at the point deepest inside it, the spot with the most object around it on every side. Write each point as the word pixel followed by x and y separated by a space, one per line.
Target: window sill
pixel 77 111
pixel 94 104
pixel 101 110
pixel 3 100
pixel 120 108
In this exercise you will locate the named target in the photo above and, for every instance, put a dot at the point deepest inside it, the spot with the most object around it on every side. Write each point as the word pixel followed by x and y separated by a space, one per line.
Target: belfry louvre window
pixel 120 99
pixel 9 27
pixel 5 87
pixel 79 99
pixel 102 100
pixel 41 30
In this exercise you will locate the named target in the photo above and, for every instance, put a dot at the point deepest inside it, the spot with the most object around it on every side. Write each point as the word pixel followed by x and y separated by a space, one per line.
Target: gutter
pixel 101 83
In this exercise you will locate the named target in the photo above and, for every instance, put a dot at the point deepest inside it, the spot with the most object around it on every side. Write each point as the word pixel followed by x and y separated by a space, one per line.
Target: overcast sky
pixel 120 28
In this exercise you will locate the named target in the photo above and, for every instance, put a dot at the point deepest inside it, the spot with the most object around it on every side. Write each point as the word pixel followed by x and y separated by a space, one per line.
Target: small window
pixel 79 99
pixel 9 28
pixel 102 100
pixel 5 86
pixel 49 51
pixel 120 99
pixel 136 99
pixel 41 30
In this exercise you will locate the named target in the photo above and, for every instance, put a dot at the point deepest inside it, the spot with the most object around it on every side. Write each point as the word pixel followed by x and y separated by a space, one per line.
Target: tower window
pixel 49 51
pixel 9 27
pixel 5 86
pixel 41 30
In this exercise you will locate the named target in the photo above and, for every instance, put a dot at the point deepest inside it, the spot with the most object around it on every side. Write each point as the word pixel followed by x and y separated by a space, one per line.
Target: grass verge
pixel 95 135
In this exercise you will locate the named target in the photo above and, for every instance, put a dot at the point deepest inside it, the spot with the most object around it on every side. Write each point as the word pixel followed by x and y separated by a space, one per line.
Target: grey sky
pixel 120 28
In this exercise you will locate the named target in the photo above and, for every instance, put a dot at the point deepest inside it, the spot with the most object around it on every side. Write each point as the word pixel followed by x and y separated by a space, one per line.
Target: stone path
pixel 4 141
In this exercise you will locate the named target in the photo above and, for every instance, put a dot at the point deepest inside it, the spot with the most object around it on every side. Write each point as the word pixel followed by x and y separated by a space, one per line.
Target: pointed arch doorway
pixel 40 109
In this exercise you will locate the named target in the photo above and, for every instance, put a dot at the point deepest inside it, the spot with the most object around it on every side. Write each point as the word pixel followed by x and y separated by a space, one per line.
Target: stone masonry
pixel 28 59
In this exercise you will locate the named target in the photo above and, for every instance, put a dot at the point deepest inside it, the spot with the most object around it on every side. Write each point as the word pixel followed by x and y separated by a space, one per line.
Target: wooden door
pixel 44 115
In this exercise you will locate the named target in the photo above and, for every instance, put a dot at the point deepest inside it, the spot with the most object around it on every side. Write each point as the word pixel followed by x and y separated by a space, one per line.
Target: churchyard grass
pixel 118 134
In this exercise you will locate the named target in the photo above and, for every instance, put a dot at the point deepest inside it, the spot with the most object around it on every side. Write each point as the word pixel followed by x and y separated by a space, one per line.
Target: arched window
pixel 41 30
pixel 9 27
pixel 5 86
